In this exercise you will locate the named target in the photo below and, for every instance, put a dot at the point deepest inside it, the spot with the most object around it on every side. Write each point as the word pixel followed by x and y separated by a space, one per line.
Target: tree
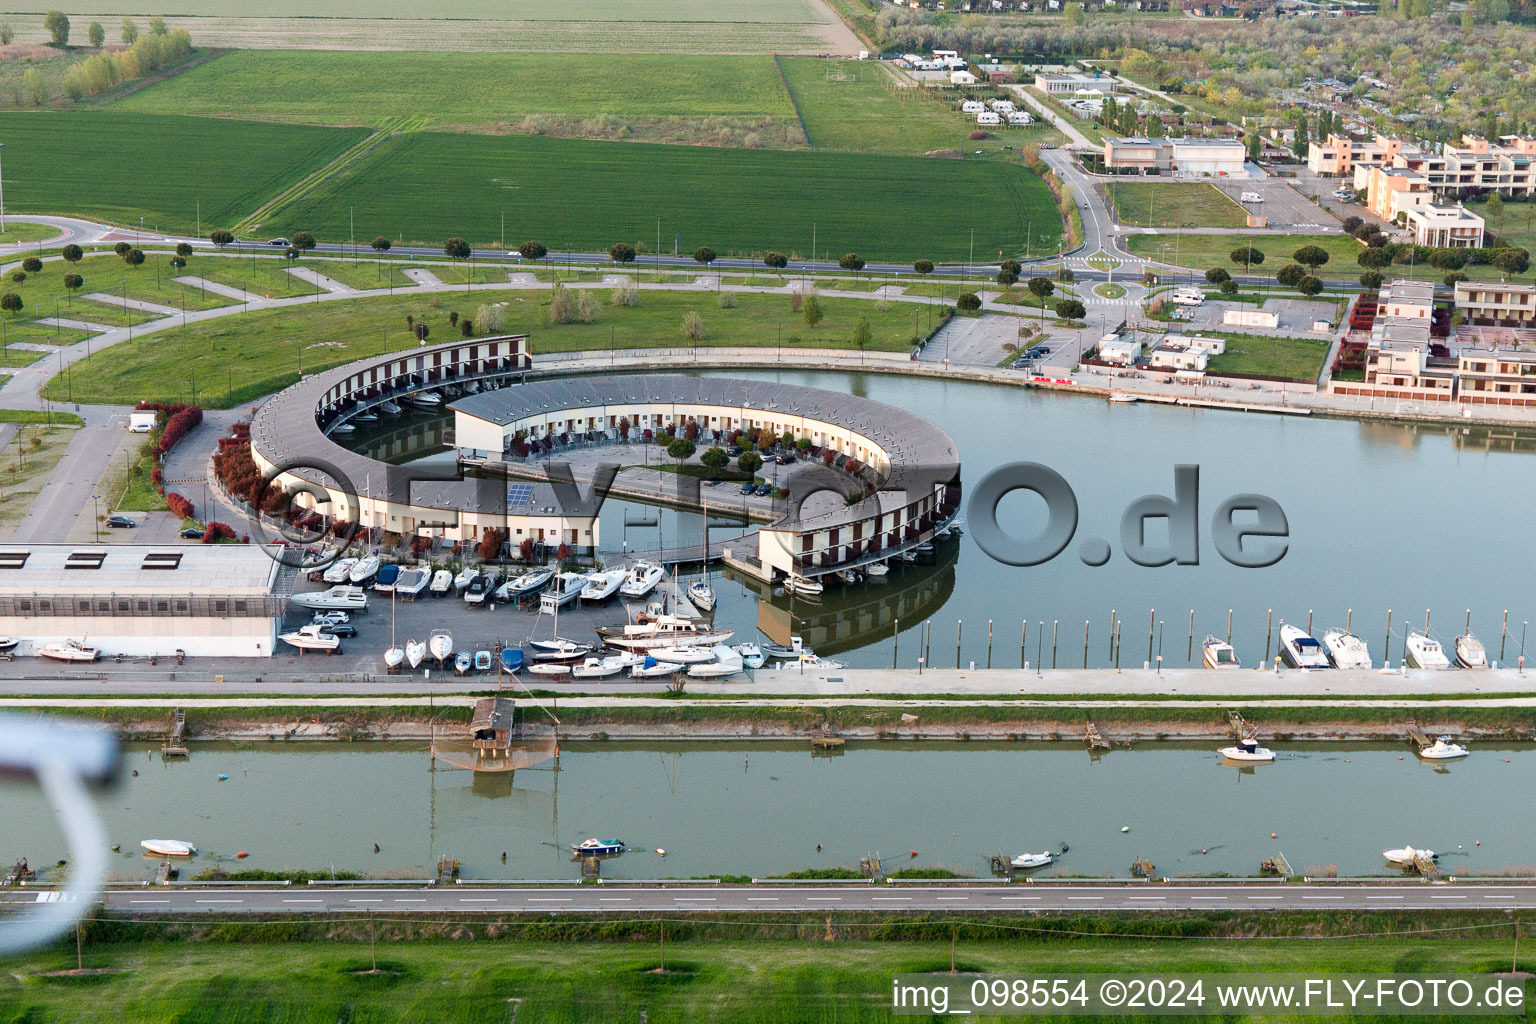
pixel 302 240
pixel 1373 259
pixel 157 26
pixel 1247 256
pixel 456 249
pixel 96 34
pixel 57 24
pixel 6 33
pixel 183 250
pixel 1042 289
pixel 1448 259
pixel 1351 224
pixel 811 311
pixel 73 282
pixel 714 459
pixel 622 252
pixel 776 260
pixel 851 261
pixel 1290 274
pixel 1007 277
pixel 693 326
pixel 1072 15
pixel 923 266
pixel 704 254
pixel 862 335
pixel 1229 287
pixel 1216 275
pixel 221 238
pixel 1494 206
pixel 178 262
pixel 32 265
pixel 11 302
pixel 1071 309
pixel 1309 285
pixel 1013 266
pixel 1453 277
pixel 380 244
pixel 130 32
pixel 682 449
pixel 134 257
pixel 1255 143
pixel 532 250
pixel 1512 261
pixel 1311 256
pixel 749 462
pixel 36 86
pixel 968 301
pixel 1371 279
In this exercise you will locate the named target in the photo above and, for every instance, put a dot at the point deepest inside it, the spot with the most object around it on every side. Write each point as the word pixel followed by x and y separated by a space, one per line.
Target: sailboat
pixel 415 651
pixel 702 595
pixel 440 645
pixel 557 648
pixel 394 655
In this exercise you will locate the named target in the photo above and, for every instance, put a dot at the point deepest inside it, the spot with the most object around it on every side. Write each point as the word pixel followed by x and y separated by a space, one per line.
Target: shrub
pixel 626 295
pixel 693 327
pixel 179 505
pixel 727 300
pixel 977 135
pixel 968 301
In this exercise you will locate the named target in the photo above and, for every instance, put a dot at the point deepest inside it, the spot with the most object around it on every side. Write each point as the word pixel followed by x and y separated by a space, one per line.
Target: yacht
pixel 598 847
pixel 479 589
pixel 1425 652
pixel 388 408
pixel 1300 649
pixel 1443 750
pixel 725 662
pixel 565 589
pixel 600 586
pixel 803 586
pixel 440 646
pixel 850 576
pixel 531 582
pixel 601 668
pixel 1470 652
pixel 465 577
pixel 312 638
pixel 664 631
pixel 463 662
pixel 69 650
pixel 384 580
pixel 343 428
pixel 689 655
pixel 168 847
pixel 751 655
pixel 702 595
pixel 1247 750
pixel 1346 650
pixel 642 579
pixel 425 399
pixel 1027 861
pixel 366 417
pixel 794 652
pixel 365 569
pixel 650 668
pixel 9 644
pixel 557 649
pixel 415 651
pixel 342 597
pixel 550 668
pixel 394 657
pixel 339 571
pixel 1219 654
pixel 876 569
pixel 512 659
pixel 442 582
pixel 1407 856
pixel 411 582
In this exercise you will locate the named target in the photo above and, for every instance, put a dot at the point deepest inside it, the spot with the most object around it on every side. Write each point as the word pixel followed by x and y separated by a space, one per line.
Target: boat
pixel 565 589
pixel 600 586
pixel 343 428
pixel 650 668
pixel 803 586
pixel 1346 650
pixel 751 655
pixel 450 390
pixel 415 651
pixel 1470 652
pixel 1027 861
pixel 702 595
pixel 1121 396
pixel 1423 651
pixel 1248 751
pixel 442 582
pixel 311 638
pixel 598 847
pixel 876 569
pixel 463 662
pixel 482 661
pixel 479 589
pixel 850 576
pixel 388 408
pixel 440 646
pixel 726 662
pixel 425 399
pixel 1443 750
pixel 807 660
pixel 557 649
pixel 550 668
pixel 341 596
pixel 8 644
pixel 503 593
pixel 411 582
pixel 465 577
pixel 925 548
pixel 642 579
pixel 1300 649
pixel 794 652
pixel 168 847
pixel 1407 856
pixel 512 659
pixel 690 655
pixel 366 417
pixel 69 650
pixel 664 631
pixel 601 668
pixel 1219 654
pixel 908 555
pixel 387 576
pixel 955 526
pixel 339 571
pixel 394 657
pixel 365 568
pixel 531 582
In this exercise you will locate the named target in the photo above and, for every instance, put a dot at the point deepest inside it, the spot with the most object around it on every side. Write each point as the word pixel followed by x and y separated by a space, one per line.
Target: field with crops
pixel 122 167
pixel 587 195
pixel 467 88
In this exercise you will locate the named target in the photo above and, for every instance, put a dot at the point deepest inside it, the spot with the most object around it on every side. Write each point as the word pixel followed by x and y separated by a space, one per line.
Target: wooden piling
pixel 989 643
pixel 1189 655
pixel 959 626
pixel 1151 629
pixel 895 640
pixel 1269 632
pixel 1503 634
pixel 1085 643
pixel 1386 649
pixel 1229 625
pixel 1055 625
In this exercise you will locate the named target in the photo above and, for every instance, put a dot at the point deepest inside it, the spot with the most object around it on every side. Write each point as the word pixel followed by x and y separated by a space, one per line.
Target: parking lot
pixel 1296 316
pixel 1283 204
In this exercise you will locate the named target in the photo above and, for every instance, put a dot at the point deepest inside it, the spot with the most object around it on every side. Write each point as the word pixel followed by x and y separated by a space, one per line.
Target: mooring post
pixel 1309 622
pixel 1189 656
pixel 927 641
pixel 958 626
pixel 1118 626
pixel 1055 623
pixel 895 640
pixel 1085 643
pixel 1024 644
pixel 1111 632
pixel 1229 625
pixel 1504 634
pixel 1151 628
pixel 989 643
pixel 1269 632
pixel 1386 653
pixel 1426 622
pixel 1349 619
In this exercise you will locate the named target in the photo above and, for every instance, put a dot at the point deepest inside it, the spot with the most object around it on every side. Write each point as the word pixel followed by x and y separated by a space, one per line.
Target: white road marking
pixel 693 899
pixel 1447 897
pixel 409 901
pixel 365 901
pixel 891 899
pixel 823 899
pixel 1383 897
pixel 480 899
pixel 1146 897
pixel 1322 897
pixel 546 899
pixel 1085 897
pixel 1207 897
pixel 1020 897
pixel 613 899
pixel 1498 897
pixel 762 899
pixel 221 901
pixel 149 901
pixel 951 897
pixel 303 901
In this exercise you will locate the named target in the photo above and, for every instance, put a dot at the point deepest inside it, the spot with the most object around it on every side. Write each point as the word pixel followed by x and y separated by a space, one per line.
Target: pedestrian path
pixel 78 325
pixel 314 277
pixel 423 277
pixel 138 304
pixel 213 286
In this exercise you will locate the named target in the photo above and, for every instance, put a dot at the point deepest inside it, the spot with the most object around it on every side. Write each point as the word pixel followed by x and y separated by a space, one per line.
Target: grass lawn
pixel 122 166
pixel 16 328
pixel 1293 358
pixel 362 274
pixel 26 464
pixel 1201 252
pixel 847 980
pixel 267 278
pixel 1109 291
pixel 573 194
pixel 17 232
pixel 339 87
pixel 1175 204
pixel 238 358
pixel 1514 223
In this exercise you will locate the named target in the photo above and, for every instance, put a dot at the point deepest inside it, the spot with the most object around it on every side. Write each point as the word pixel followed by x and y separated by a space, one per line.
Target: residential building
pixel 1170 355
pixel 1149 156
pixel 1445 225
pixel 1113 350
pixel 1391 191
pixel 1496 304
pixel 1507 166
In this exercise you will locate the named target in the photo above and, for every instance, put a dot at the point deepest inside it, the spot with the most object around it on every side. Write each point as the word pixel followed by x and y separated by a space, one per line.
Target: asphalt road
pixel 609 898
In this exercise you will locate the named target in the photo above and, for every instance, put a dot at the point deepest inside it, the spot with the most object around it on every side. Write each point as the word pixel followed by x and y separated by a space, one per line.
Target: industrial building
pixel 1180 158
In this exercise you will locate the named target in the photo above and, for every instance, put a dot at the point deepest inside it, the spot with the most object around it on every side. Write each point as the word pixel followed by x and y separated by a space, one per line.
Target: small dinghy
pixel 1248 752
pixel 168 847
pixel 463 662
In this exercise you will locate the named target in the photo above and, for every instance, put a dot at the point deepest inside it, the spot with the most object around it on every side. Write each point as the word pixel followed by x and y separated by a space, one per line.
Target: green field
pixel 19 231
pixel 1200 252
pixel 773 11
pixel 1174 204
pixel 1514 223
pixel 333 87
pixel 588 195
pixel 238 358
pixel 120 167
pixel 1294 358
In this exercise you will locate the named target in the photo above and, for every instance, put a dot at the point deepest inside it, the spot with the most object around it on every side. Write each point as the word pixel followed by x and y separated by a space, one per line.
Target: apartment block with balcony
pixel 1445 226
pixel 1504 305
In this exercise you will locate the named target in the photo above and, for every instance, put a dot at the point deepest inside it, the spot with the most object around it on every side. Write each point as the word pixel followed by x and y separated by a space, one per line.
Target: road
pixel 689 899
pixel 72 231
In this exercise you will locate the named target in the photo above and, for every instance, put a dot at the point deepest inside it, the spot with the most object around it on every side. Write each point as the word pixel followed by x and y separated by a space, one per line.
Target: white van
pixel 141 422
pixel 1188 297
pixel 1253 197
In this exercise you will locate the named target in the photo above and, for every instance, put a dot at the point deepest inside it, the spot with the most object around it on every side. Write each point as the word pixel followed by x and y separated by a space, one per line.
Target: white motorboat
pixel 1026 861
pixel 343 428
pixel 794 652
pixel 702 595
pixel 503 593
pixel 415 652
pixel 366 417
pixel 465 577
pixel 440 646
pixel 807 661
pixel 565 588
pixel 850 576
pixel 1219 654
pixel 531 582
pixel 1408 856
pixel 650 668
pixel 365 569
pixel 726 663
pixel 690 655
pixel 1300 649
pixel 1443 750
pixel 394 657
pixel 168 847
pixel 442 582
pixel 479 589
pixel 450 390
pixel 69 650
pixel 425 399
pixel 1247 751
pixel 557 649
pixel 803 586
pixel 876 569
pixel 1346 650
pixel 751 655
pixel 1423 651
pixel 550 668
pixel 665 631
pixel 642 579
pixel 1470 652
pixel 388 408
pixel 601 668
pixel 483 661
pixel 600 586
pixel 411 582
pixel 339 571
pixel 8 644
pixel 342 597
pixel 463 662
pixel 312 638
pixel 1121 396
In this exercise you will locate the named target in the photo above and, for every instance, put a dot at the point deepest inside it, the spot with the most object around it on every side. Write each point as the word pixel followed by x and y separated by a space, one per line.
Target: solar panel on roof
pixel 519 494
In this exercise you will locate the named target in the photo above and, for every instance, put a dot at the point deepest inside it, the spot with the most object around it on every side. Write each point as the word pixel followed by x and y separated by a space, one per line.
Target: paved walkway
pixel 139 304
pixel 225 290
pixel 316 278
pixel 423 277
pixel 78 325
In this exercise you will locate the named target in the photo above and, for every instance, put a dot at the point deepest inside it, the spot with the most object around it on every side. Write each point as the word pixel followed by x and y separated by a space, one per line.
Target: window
pixel 13 559
pixel 161 560
pixel 85 559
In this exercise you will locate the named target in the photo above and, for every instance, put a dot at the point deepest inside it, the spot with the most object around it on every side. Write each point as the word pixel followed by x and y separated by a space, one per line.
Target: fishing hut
pixel 498 742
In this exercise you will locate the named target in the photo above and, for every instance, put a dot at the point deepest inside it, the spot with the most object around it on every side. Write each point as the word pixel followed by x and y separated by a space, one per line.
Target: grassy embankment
pixel 30 458
pixel 1201 252
pixel 1293 358
pixel 1174 204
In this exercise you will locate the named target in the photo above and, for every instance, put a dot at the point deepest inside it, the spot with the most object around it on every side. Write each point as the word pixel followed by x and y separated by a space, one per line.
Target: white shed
pixel 961 78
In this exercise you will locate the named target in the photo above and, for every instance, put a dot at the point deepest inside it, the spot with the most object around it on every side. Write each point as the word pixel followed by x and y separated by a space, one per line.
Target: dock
pixel 175 742
pixel 1276 865
pixel 1416 736
pixel 18 874
pixel 1093 738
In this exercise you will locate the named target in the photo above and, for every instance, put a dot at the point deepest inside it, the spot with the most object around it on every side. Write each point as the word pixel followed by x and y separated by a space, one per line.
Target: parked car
pixel 764 490
pixel 331 618
pixel 283 242
pixel 784 460
pixel 192 533
pixel 733 451
pixel 340 629
pixel 748 487
pixel 120 523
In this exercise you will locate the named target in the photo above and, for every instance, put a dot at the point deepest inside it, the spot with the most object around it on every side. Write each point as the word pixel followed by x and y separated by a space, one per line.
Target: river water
pixel 761 809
